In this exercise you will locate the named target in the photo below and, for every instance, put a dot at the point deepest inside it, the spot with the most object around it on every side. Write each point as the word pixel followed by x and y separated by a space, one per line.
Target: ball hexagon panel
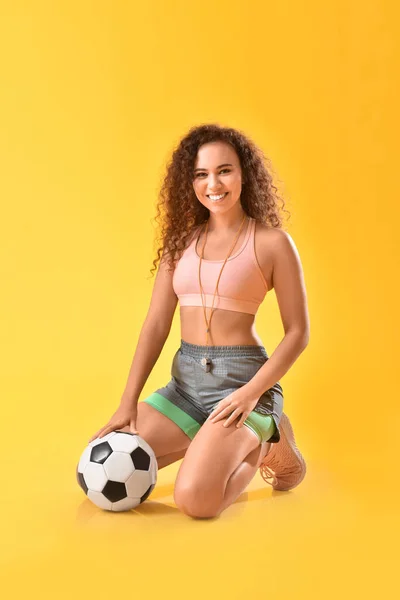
pixel 138 484
pixel 119 466
pixel 85 459
pixel 126 442
pixel 95 477
pixel 99 500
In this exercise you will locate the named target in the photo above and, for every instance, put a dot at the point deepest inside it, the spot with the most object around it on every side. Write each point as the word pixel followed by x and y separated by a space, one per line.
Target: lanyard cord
pixel 208 322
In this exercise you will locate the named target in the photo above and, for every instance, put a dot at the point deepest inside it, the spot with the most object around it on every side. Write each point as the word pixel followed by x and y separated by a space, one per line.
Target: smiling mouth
pixel 218 199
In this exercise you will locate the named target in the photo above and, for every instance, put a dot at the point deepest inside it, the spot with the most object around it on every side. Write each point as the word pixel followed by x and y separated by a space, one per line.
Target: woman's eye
pixel 227 170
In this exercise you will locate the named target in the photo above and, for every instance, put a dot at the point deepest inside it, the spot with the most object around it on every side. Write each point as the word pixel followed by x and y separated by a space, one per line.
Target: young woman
pixel 223 249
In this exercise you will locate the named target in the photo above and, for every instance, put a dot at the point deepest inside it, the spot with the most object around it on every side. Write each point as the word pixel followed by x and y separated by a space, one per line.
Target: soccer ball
pixel 118 471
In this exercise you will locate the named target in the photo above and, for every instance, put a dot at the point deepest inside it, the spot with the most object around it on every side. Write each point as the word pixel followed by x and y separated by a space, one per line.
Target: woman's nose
pixel 213 183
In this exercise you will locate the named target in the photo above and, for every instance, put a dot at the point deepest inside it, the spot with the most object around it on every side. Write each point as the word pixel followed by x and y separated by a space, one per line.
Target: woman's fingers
pixel 133 428
pixel 96 435
pixel 113 427
pixel 236 413
pixel 108 430
pixel 221 413
pixel 242 419
pixel 215 413
pixel 101 433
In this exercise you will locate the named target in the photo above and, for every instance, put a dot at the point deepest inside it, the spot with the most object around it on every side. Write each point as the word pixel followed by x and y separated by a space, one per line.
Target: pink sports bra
pixel 242 286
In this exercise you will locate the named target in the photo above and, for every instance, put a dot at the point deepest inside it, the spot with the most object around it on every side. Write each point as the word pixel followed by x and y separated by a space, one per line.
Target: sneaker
pixel 283 467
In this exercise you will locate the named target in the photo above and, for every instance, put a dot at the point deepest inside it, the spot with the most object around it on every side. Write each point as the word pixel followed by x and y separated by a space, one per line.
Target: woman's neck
pixel 226 223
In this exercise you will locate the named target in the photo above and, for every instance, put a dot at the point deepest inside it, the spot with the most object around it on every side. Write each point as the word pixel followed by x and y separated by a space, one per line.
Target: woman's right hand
pixel 125 415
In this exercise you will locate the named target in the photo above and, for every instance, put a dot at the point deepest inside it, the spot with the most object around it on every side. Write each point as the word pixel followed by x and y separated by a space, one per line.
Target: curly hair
pixel 178 205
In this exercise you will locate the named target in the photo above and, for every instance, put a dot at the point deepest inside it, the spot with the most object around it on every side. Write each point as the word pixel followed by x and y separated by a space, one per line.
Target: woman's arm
pixel 290 290
pixel 153 335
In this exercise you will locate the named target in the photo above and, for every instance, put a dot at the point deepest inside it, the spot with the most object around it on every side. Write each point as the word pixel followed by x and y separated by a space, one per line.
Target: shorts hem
pixel 257 423
pixel 184 421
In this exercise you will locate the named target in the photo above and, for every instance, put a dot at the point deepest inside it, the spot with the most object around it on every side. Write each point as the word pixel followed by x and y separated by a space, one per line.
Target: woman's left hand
pixel 236 404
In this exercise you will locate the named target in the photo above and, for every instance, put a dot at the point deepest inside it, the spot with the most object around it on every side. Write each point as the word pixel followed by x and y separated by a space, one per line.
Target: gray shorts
pixel 197 392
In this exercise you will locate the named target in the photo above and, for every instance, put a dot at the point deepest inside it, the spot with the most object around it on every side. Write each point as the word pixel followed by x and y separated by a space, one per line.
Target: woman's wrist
pixel 128 400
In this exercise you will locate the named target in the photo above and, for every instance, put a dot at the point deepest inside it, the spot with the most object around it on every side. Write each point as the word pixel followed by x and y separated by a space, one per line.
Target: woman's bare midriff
pixel 228 327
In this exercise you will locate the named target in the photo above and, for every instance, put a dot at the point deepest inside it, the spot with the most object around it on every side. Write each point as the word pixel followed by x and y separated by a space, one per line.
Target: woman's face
pixel 217 171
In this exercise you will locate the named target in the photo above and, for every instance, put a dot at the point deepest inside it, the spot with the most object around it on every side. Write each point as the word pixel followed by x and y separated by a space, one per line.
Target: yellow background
pixel 94 95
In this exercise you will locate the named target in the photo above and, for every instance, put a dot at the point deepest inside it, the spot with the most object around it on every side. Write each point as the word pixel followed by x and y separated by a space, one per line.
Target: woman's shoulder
pixel 193 233
pixel 268 241
pixel 268 235
pixel 273 244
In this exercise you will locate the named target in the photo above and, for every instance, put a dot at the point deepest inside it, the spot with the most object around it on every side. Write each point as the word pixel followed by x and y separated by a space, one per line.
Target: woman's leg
pixel 244 473
pixel 168 459
pixel 240 478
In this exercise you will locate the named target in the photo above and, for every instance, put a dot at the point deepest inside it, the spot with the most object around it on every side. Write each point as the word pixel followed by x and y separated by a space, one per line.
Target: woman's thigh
pixel 163 435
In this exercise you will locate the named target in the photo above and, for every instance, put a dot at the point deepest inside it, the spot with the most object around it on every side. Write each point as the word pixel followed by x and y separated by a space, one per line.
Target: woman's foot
pixel 284 467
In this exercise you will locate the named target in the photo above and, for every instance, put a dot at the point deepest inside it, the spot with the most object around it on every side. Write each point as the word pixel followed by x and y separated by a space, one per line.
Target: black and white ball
pixel 118 471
